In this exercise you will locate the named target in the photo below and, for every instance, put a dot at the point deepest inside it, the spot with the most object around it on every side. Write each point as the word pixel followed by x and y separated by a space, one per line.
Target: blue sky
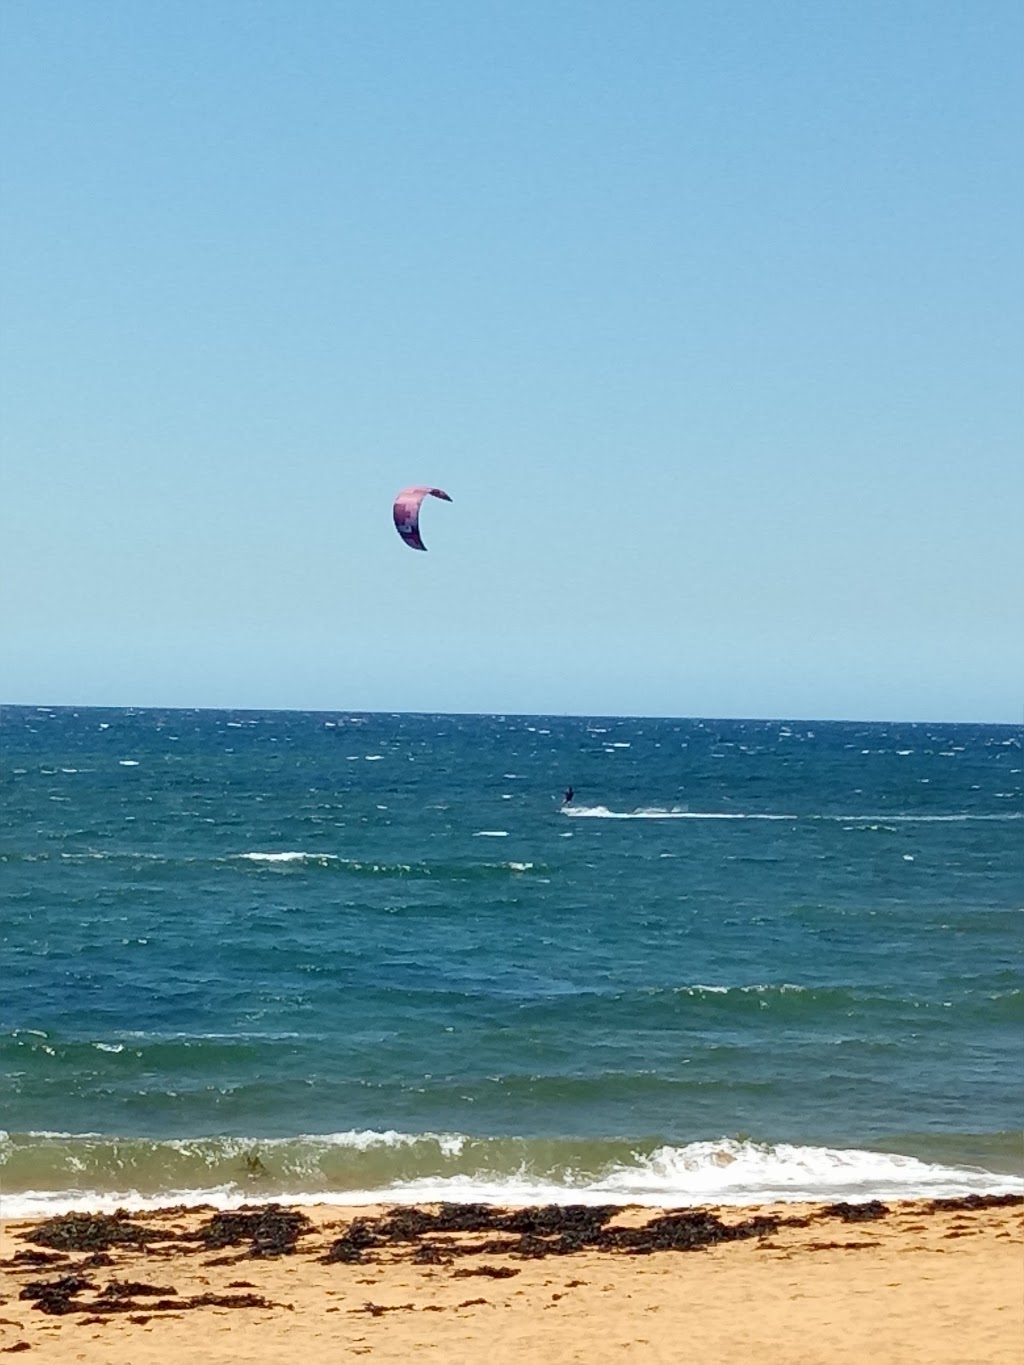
pixel 707 315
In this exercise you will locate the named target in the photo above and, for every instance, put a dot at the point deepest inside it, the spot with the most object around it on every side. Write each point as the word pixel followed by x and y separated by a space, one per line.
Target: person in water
pixel 567 798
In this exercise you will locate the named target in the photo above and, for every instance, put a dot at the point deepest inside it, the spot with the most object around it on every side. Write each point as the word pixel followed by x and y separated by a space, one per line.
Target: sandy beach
pixel 935 1281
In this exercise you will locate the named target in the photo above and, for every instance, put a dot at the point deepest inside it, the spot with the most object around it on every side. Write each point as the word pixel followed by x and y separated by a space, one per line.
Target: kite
pixel 406 512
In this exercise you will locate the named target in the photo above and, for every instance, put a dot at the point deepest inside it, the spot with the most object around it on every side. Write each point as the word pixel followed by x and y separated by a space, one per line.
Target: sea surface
pixel 363 956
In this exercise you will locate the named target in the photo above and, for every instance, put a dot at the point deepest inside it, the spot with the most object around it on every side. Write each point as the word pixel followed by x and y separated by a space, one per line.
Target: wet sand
pixel 782 1285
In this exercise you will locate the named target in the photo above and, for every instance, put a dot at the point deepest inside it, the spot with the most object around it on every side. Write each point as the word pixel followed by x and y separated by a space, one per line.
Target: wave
pixel 295 861
pixel 662 813
pixel 680 813
pixel 47 1173
pixel 960 818
pixel 356 867
pixel 828 1005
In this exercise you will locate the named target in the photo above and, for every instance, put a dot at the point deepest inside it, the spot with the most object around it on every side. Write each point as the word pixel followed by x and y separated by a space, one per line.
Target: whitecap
pixel 663 813
pixel 291 857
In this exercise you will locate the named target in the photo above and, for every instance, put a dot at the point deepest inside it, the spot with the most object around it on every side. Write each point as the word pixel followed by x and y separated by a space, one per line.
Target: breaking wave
pixel 46 1173
pixel 358 867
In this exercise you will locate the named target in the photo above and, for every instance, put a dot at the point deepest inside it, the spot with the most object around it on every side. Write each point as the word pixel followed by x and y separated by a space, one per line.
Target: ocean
pixel 358 957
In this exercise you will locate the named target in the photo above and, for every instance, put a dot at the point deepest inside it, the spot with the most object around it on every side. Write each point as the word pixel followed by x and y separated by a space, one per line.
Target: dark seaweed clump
pixel 92 1232
pixel 54 1296
pixel 61 1296
pixel 554 1230
pixel 358 1237
pixel 113 1303
pixel 690 1230
pixel 494 1272
pixel 970 1202
pixel 95 1261
pixel 37 1258
pixel 269 1229
pixel 856 1213
pixel 582 1222
pixel 130 1289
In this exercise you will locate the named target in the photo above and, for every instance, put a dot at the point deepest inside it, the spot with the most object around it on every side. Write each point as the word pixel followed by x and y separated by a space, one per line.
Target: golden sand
pixel 917 1284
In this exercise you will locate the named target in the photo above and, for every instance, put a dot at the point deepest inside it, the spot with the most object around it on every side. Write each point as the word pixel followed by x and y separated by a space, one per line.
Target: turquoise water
pixel 344 955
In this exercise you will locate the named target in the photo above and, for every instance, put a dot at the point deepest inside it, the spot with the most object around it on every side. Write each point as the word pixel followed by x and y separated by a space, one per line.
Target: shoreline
pixel 924 1279
pixel 45 1174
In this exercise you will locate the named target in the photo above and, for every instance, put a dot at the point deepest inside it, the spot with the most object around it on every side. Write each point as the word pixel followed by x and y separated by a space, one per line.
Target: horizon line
pixel 503 714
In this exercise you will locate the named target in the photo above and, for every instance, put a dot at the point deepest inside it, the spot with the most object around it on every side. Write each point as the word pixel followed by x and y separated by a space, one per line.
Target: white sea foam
pixel 935 819
pixel 663 813
pixel 677 813
pixel 128 762
pixel 368 1139
pixel 51 1204
pixel 734 1172
pixel 491 834
pixel 285 857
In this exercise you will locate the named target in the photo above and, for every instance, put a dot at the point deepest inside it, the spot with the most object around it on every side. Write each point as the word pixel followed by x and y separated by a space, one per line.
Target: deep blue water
pixel 372 952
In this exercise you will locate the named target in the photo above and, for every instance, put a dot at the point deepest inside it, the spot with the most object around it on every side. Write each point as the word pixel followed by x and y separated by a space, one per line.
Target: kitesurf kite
pixel 407 513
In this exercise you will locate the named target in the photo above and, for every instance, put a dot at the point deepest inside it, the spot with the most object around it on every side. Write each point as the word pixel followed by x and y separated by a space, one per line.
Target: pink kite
pixel 407 513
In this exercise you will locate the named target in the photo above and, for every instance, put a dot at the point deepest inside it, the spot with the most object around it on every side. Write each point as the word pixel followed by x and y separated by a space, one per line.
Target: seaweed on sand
pixel 971 1203
pixel 93 1232
pixel 55 1296
pixel 269 1229
pixel 553 1230
pixel 866 1212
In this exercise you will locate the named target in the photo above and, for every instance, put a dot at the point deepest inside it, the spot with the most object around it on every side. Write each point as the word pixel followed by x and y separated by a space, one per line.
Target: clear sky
pixel 706 313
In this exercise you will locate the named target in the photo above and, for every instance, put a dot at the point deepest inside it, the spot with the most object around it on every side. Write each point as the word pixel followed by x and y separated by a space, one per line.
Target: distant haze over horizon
pixel 708 719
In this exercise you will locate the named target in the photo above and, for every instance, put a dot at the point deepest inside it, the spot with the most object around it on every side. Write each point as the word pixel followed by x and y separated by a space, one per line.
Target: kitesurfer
pixel 567 798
